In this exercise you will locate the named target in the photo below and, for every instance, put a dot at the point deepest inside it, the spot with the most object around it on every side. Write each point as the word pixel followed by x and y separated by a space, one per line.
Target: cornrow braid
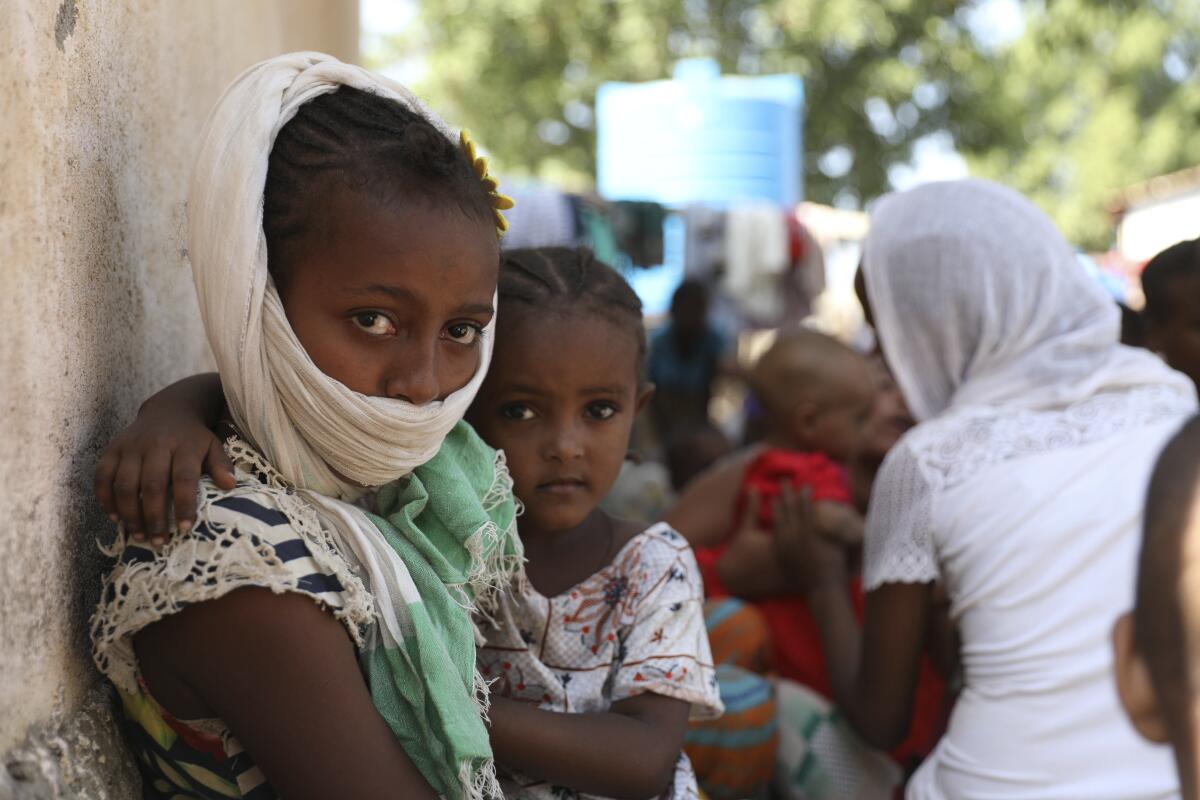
pixel 370 144
pixel 569 279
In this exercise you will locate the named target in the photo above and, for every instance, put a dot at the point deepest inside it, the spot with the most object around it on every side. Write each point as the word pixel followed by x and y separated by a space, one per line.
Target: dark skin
pixel 565 433
pixel 873 672
pixel 560 401
pixel 364 306
pixel 833 425
pixel 1176 333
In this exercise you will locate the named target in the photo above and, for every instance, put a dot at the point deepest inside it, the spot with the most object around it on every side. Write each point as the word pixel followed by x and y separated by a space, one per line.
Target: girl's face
pixel 560 400
pixel 391 299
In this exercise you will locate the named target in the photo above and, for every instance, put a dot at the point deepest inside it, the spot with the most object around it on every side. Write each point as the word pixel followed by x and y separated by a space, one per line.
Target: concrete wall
pixel 101 104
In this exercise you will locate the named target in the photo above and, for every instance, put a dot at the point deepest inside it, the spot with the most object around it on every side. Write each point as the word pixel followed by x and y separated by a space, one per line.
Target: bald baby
pixel 817 392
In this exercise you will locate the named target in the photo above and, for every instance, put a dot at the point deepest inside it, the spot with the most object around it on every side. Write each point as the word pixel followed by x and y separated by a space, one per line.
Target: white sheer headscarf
pixel 314 430
pixel 979 300
pixel 985 315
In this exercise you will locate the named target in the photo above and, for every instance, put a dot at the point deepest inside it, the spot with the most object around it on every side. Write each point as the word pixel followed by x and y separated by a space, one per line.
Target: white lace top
pixel 1032 521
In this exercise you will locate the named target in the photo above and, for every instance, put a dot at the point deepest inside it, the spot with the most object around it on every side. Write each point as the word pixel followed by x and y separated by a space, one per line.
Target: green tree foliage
pixel 1095 94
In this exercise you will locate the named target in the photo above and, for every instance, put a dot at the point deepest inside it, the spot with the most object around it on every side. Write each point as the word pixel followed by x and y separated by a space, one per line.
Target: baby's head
pixel 1171 282
pixel 817 392
pixel 1157 645
pixel 566 381
pixel 381 241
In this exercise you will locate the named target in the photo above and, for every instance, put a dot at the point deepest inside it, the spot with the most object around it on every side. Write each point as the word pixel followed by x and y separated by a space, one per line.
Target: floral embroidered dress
pixel 635 626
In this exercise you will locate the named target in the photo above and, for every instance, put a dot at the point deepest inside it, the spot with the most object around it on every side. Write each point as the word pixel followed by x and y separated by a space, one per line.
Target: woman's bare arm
pixel 282 674
pixel 873 673
pixel 704 510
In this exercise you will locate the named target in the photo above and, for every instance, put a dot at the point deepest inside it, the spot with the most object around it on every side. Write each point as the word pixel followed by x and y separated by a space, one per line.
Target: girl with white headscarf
pixel 1020 490
pixel 310 635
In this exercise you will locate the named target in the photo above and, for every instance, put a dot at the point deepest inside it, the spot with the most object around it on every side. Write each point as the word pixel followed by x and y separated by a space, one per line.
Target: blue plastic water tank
pixel 701 138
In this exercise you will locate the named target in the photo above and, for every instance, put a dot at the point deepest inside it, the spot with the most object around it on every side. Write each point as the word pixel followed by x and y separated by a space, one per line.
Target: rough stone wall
pixel 101 105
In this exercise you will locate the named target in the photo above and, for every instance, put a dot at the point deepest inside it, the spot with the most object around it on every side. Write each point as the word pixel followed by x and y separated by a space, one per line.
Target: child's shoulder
pixel 656 546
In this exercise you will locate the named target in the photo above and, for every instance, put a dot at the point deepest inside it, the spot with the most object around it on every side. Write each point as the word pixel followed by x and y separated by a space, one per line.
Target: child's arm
pixel 628 752
pixel 166 447
pixel 874 674
pixel 282 673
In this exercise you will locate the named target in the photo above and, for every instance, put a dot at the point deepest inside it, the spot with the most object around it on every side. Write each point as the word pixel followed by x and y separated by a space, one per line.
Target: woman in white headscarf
pixel 1020 490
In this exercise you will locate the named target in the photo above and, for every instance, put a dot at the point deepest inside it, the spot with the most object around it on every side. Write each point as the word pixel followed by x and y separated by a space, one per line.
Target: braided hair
pixel 569 279
pixel 371 145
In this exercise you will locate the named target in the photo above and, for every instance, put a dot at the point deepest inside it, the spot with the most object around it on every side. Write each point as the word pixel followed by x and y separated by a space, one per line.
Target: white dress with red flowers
pixel 635 626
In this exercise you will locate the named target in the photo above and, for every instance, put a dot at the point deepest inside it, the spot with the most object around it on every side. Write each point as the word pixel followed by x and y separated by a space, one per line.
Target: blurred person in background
pixel 1156 646
pixel 1020 489
pixel 686 356
pixel 1171 283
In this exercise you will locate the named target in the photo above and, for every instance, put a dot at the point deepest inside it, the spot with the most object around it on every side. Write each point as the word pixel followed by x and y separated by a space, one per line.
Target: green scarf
pixel 453 524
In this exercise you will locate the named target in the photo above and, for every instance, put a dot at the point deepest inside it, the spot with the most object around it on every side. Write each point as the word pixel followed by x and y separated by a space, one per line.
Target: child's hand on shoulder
pixel 157 462
pixel 810 550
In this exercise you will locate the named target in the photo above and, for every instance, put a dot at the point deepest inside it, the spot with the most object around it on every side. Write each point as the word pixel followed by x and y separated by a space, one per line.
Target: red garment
pixel 796 640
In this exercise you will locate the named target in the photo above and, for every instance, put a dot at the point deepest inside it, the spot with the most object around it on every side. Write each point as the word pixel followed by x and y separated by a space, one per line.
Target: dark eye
pixel 375 323
pixel 517 411
pixel 464 332
pixel 601 410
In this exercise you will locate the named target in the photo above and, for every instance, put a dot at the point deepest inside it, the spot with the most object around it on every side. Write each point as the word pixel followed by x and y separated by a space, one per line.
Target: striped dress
pixel 258 534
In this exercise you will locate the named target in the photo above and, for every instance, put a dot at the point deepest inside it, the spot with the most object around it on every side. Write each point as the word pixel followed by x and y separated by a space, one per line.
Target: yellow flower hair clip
pixel 491 185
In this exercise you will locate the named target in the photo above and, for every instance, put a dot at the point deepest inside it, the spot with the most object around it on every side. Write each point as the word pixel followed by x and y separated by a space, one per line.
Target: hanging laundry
pixel 598 233
pixel 541 217
pixel 638 227
pixel 757 259
pixel 806 278
pixel 704 242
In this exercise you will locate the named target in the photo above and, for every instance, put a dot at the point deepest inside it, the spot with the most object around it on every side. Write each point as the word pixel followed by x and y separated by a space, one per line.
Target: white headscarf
pixel 979 301
pixel 309 426
pixel 1001 344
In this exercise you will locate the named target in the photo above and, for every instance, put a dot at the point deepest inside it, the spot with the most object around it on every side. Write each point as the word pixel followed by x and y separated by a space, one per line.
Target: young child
pixel 819 395
pixel 610 628
pixel 686 356
pixel 1157 645
pixel 599 659
pixel 308 637
pixel 1171 282
pixel 821 400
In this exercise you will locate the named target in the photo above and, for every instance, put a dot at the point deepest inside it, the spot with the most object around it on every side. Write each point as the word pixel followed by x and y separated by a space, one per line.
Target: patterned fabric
pixel 201 758
pixel 734 756
pixel 820 757
pixel 635 626
pixel 738 634
pixel 451 528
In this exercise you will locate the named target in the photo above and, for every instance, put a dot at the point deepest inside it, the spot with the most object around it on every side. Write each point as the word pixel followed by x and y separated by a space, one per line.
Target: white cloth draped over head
pixel 319 434
pixel 1020 489
pixel 979 300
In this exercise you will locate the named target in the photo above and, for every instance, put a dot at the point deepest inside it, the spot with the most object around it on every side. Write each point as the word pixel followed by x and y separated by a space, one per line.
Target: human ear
pixel 806 414
pixel 1133 683
pixel 645 392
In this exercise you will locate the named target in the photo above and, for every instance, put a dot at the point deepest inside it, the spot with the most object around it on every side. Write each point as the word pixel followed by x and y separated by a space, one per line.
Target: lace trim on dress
pixel 211 560
pixel 944 453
